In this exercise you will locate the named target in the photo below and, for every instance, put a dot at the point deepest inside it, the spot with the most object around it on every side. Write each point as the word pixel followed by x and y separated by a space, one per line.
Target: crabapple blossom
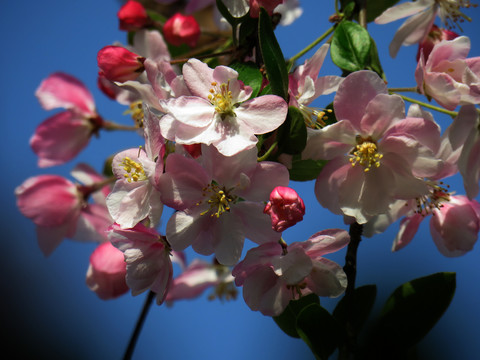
pixel 59 209
pixel 132 16
pixel 218 199
pixel 219 112
pixel 272 274
pixel 106 272
pixel 435 36
pixel 119 64
pixel 181 29
pixel 422 14
pixel 62 136
pixel 285 208
pixel 448 76
pixel 376 153
pixel 147 255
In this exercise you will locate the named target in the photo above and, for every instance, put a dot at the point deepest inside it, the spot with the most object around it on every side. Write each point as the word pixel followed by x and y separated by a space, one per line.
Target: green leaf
pixel 376 7
pixel 226 14
pixel 305 170
pixel 273 58
pixel 319 330
pixel 288 319
pixel 156 16
pixel 413 309
pixel 363 300
pixel 350 46
pixel 292 137
pixel 250 75
pixel 373 62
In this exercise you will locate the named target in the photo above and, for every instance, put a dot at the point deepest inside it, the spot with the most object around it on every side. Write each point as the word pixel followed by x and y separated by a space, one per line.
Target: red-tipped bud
pixel 132 16
pixel 119 64
pixel 285 208
pixel 106 272
pixel 435 35
pixel 195 150
pixel 181 29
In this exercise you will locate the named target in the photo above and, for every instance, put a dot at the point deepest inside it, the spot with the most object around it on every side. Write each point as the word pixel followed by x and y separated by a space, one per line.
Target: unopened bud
pixel 435 35
pixel 132 16
pixel 285 208
pixel 181 29
pixel 119 64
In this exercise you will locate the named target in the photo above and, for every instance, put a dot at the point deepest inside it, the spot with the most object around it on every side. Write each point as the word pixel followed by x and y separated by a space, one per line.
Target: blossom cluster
pixel 215 146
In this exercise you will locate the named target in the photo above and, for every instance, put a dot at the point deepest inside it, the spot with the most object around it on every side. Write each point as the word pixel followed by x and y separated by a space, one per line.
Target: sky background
pixel 47 311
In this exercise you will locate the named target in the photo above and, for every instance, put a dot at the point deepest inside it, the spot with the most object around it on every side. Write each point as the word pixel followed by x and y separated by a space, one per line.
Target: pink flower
pixel 219 201
pixel 147 255
pixel 106 272
pixel 119 64
pixel 181 29
pixel 285 208
pixel 305 86
pixel 448 76
pixel 198 277
pixel 422 15
pixel 435 36
pixel 59 209
pixel 454 226
pixel 219 112
pixel 272 274
pixel 61 137
pixel 376 154
pixel 132 16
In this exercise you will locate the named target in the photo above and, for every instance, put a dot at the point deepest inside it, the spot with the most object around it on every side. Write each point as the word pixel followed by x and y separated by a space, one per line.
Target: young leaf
pixel 250 75
pixel 305 170
pixel 413 309
pixel 350 46
pixel 319 330
pixel 272 55
pixel 287 321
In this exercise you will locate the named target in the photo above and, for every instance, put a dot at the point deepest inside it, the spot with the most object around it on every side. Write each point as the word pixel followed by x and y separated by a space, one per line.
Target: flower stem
pixel 428 106
pixel 269 151
pixel 362 14
pixel 404 89
pixel 138 327
pixel 350 268
pixel 309 47
pixel 207 56
pixel 110 125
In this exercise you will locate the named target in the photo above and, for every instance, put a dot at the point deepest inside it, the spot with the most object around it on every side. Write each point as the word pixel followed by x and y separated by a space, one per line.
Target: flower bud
pixel 119 64
pixel 195 150
pixel 435 35
pixel 106 272
pixel 181 29
pixel 285 208
pixel 132 16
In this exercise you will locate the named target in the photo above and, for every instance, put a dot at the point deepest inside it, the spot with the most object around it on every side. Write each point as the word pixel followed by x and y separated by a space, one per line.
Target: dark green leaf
pixel 350 46
pixel 413 309
pixel 267 90
pixel 373 62
pixel 273 59
pixel 248 28
pixel 250 75
pixel 107 166
pixel 319 330
pixel 363 300
pixel 293 133
pixel 376 7
pixel 288 319
pixel 305 170
pixel 226 14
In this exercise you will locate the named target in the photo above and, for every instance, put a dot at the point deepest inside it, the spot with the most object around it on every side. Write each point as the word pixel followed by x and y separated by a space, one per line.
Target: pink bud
pixel 195 150
pixel 132 16
pixel 435 35
pixel 106 272
pixel 181 29
pixel 285 208
pixel 119 64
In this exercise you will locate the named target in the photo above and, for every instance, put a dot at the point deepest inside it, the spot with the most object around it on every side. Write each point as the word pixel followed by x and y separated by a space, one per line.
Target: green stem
pixel 269 151
pixel 404 89
pixel 110 125
pixel 362 14
pixel 309 47
pixel 138 326
pixel 428 106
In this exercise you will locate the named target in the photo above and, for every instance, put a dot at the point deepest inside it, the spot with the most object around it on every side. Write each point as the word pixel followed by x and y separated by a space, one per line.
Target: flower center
pixel 136 112
pixel 219 200
pixel 221 98
pixel 365 154
pixel 134 171
pixel 438 195
pixel 451 14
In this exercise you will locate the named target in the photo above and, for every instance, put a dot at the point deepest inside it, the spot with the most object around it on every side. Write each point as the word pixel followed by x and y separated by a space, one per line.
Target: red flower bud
pixel 181 29
pixel 195 150
pixel 132 16
pixel 285 208
pixel 435 35
pixel 119 64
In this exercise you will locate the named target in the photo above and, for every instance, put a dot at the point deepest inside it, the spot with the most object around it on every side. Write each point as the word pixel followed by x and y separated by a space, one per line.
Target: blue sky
pixel 46 306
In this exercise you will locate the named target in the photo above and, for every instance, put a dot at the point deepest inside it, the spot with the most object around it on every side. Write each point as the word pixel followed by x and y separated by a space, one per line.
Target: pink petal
pixel 408 228
pixel 381 113
pixel 403 10
pixel 327 278
pixel 262 114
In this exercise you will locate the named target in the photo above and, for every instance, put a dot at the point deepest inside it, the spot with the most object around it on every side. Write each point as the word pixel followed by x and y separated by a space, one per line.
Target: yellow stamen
pixel 221 97
pixel 136 112
pixel 219 200
pixel 133 170
pixel 366 154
